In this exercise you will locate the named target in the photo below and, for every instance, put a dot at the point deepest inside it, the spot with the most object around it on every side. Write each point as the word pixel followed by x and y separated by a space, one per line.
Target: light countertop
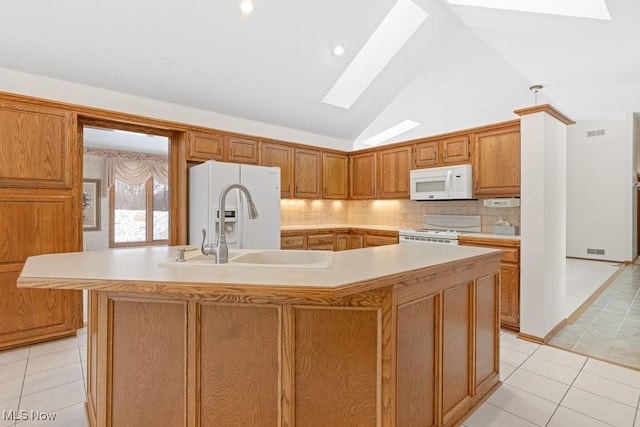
pixel 118 269
pixel 339 226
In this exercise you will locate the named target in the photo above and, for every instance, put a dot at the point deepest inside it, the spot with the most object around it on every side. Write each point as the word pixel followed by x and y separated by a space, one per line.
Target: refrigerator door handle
pixel 242 218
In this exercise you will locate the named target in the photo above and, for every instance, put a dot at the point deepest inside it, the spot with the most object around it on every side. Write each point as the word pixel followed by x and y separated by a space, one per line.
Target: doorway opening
pixel 126 191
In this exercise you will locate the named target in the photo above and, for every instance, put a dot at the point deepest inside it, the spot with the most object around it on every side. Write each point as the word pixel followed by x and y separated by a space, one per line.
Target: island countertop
pixel 386 336
pixel 144 269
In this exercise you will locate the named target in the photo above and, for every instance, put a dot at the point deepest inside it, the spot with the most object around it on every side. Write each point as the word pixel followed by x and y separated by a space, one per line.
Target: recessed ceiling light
pixel 245 6
pixel 338 50
pixel 386 135
pixel 404 18
pixel 595 9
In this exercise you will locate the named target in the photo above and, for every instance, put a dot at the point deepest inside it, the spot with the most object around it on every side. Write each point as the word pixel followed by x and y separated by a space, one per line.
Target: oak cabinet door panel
pixel 35 147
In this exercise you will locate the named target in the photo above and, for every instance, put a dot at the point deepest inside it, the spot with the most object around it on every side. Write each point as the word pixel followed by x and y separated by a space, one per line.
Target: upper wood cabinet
pixel 243 150
pixel 393 172
pixel 280 155
pixel 447 151
pixel 426 154
pixel 362 176
pixel 203 146
pixel 455 150
pixel 308 173
pixel 497 162
pixel 335 167
pixel 36 146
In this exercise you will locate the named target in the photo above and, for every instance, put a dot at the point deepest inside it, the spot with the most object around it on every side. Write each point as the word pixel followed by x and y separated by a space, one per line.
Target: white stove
pixel 428 235
pixel 442 229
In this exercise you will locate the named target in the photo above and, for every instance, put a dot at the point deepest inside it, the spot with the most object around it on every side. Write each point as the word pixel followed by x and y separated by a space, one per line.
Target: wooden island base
pixel 420 349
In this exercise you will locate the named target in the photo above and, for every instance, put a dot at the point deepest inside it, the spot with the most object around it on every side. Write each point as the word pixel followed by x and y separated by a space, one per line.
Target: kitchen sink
pixel 260 258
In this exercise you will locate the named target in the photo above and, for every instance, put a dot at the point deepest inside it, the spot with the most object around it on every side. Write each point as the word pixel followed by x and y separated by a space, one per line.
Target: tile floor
pixel 543 386
pixel 610 328
pixel 546 386
pixel 42 380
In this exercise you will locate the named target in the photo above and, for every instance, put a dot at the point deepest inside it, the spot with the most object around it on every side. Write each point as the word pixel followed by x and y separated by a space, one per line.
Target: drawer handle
pixel 288 241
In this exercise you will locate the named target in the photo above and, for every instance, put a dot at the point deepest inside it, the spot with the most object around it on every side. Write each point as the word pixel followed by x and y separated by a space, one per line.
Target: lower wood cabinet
pixel 380 238
pixel 421 349
pixel 509 277
pixel 336 239
pixel 322 241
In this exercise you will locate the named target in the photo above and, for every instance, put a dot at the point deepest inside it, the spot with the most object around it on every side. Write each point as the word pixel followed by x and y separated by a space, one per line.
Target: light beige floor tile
pixel 512 357
pixel 83 353
pixel 488 415
pixel 82 340
pixel 14 355
pixel 551 370
pixel 12 370
pixel 51 378
pixel 637 423
pixel 53 346
pixel 10 389
pixel 525 405
pixel 53 360
pixel 506 370
pixel 82 331
pixel 536 384
pixel 54 398
pixel 598 407
pixel 561 357
pixel 9 406
pixel 71 416
pixel 565 417
pixel 510 341
pixel 616 373
pixel 607 388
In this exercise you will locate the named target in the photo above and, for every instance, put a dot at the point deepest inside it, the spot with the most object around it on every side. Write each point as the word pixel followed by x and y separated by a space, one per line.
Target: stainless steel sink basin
pixel 260 258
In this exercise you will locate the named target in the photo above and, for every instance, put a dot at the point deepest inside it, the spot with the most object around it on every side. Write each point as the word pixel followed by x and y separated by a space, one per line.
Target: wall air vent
pixel 598 132
pixel 595 251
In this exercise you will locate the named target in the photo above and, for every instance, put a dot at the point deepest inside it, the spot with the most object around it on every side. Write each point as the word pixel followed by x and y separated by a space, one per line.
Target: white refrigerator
pixel 206 182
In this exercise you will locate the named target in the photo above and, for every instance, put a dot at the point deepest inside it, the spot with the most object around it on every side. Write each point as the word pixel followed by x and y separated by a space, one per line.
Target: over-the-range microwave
pixel 444 183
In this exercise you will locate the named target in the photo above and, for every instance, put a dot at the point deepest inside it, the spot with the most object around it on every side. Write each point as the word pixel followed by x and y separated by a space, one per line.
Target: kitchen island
pixel 400 335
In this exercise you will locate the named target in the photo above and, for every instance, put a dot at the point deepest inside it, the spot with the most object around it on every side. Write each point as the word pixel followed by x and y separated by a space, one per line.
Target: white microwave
pixel 445 183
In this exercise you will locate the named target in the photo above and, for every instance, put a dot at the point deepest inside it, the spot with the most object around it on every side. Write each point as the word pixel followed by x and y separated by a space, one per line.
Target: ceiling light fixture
pixel 393 131
pixel 338 50
pixel 404 18
pixel 594 9
pixel 245 6
pixel 535 89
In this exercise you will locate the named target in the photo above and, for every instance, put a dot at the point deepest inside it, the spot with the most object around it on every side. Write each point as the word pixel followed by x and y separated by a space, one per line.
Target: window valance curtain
pixel 134 172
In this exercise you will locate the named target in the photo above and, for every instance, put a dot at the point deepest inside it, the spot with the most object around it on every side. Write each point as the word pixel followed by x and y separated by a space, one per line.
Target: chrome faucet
pixel 220 249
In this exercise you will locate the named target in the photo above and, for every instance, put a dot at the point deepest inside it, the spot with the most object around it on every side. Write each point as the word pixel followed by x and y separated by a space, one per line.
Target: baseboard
pixel 547 337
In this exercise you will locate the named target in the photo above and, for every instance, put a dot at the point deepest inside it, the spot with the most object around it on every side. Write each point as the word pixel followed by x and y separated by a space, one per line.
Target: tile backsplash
pixel 396 213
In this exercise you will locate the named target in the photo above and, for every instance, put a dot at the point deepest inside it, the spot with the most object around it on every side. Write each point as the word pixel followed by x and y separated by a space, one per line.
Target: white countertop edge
pixel 144 265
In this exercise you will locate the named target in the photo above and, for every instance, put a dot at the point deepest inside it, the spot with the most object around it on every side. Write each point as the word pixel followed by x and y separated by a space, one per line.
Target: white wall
pixel 543 216
pixel 94 167
pixel 58 90
pixel 600 176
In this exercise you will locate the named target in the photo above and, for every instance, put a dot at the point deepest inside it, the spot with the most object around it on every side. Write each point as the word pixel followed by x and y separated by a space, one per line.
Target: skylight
pixel 594 9
pixel 391 132
pixel 404 18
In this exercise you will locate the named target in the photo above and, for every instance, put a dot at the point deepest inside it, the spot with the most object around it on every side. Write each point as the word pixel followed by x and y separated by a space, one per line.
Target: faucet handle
pixel 206 249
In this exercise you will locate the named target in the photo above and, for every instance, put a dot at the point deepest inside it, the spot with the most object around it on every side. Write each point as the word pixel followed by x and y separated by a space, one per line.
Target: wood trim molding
pixel 547 337
pixel 545 108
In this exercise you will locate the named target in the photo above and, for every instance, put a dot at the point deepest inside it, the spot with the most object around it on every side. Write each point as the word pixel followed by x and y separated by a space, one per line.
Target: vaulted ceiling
pixel 465 66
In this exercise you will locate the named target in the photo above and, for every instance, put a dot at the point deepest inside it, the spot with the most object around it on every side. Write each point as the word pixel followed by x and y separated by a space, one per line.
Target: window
pixel 139 213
